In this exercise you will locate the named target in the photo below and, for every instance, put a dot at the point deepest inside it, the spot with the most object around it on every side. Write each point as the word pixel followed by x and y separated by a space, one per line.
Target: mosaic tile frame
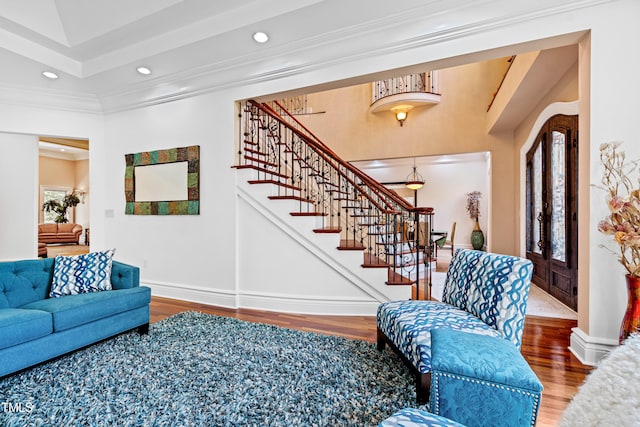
pixel 191 206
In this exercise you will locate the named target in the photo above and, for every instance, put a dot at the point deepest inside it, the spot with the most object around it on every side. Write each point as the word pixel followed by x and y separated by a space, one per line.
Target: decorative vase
pixel 477 237
pixel 631 320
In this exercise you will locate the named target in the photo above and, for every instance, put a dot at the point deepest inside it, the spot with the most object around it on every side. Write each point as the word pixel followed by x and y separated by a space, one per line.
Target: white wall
pixel 196 252
pixel 24 119
pixel 614 112
pixel 448 179
pixel 19 213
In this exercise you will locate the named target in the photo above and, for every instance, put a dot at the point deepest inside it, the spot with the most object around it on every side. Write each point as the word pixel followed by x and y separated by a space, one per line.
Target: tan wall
pixel 57 172
pixel 65 173
pixel 456 125
pixel 566 90
pixel 82 183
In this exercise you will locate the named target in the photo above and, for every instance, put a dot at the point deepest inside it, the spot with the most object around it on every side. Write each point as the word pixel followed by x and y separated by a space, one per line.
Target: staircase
pixel 277 152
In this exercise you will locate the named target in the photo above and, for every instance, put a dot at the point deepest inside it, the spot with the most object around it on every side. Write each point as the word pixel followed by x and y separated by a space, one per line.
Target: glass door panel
pixel 538 214
pixel 558 197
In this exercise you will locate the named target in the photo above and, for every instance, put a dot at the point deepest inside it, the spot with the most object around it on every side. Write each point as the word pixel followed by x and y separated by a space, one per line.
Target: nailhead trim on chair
pixel 436 377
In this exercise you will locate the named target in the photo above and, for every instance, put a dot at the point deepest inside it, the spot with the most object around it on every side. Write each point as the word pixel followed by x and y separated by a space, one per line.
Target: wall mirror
pixel 163 182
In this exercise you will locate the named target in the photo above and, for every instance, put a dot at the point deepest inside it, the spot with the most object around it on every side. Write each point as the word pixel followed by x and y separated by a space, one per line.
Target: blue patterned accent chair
pixel 482 381
pixel 410 417
pixel 484 293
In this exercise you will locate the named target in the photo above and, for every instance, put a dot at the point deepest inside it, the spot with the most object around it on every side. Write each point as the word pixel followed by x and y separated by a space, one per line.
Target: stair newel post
pixel 416 248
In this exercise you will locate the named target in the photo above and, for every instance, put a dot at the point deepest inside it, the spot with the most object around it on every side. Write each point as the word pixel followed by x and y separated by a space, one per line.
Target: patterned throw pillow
pixel 82 273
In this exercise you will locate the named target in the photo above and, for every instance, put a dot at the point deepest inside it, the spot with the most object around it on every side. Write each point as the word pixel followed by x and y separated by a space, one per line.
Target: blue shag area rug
pixel 196 369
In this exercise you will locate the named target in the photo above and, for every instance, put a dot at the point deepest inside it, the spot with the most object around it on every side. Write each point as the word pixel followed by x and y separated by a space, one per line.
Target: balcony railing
pixel 423 82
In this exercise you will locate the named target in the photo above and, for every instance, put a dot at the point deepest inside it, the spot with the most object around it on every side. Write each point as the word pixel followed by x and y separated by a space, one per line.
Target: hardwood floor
pixel 545 344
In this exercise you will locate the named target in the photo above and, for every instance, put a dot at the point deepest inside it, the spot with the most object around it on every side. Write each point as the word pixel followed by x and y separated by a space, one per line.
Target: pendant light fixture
pixel 414 181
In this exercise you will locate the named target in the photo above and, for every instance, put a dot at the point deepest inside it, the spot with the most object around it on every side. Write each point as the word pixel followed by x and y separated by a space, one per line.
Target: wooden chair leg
pixel 423 388
pixel 382 339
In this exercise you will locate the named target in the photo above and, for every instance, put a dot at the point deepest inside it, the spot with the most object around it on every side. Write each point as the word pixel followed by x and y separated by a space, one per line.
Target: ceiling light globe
pixel 143 70
pixel 414 185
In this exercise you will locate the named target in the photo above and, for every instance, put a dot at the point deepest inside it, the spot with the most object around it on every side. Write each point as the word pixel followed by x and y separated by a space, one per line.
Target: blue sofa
pixel 35 328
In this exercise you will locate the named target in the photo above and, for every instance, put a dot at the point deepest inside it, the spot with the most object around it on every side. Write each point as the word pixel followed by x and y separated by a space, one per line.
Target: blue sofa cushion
pixel 485 358
pixel 80 274
pixel 410 417
pixel 124 276
pixel 22 282
pixel 75 310
pixel 18 326
pixel 408 324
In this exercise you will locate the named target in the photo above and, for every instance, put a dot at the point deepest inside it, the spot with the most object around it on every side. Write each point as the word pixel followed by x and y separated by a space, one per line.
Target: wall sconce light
pixel 401 112
pixel 414 181
pixel 81 194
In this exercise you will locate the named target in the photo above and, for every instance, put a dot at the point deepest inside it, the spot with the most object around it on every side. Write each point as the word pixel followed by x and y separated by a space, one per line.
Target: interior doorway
pixel 63 169
pixel 551 208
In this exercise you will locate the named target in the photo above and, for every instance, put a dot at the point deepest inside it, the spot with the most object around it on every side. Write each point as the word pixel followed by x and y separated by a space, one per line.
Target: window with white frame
pixel 53 193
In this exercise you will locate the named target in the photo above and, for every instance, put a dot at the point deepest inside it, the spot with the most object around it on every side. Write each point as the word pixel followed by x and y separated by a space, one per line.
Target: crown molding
pixel 63 156
pixel 232 73
pixel 50 99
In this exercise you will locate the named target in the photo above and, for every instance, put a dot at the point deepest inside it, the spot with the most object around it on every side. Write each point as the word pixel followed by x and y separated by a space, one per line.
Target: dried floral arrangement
pixel 623 200
pixel 473 204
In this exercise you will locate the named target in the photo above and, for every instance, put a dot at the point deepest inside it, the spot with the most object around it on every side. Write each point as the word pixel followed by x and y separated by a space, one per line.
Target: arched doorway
pixel 551 208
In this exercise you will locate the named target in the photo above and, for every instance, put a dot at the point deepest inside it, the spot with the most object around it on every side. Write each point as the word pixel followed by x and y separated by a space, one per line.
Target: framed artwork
pixel 163 182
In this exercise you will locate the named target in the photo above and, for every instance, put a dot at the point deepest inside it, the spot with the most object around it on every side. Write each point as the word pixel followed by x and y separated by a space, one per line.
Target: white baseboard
pixel 217 297
pixel 590 350
pixel 300 304
pixel 303 304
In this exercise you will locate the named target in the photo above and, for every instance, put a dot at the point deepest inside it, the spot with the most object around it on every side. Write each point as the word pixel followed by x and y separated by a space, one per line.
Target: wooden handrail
pixel 316 143
pixel 325 153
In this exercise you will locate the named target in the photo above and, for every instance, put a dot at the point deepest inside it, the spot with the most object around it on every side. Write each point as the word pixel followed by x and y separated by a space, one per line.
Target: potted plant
pixel 473 210
pixel 60 208
pixel 623 224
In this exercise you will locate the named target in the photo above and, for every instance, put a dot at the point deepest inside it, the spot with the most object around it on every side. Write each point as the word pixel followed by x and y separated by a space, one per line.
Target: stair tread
pixel 374 261
pixel 296 198
pixel 327 230
pixel 259 169
pixel 260 161
pixel 308 214
pixel 350 245
pixel 395 279
pixel 274 182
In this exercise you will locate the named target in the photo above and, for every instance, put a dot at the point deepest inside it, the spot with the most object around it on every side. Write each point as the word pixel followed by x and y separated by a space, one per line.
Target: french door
pixel 552 217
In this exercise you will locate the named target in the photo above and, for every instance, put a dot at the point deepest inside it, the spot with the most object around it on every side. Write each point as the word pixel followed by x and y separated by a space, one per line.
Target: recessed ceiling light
pixel 260 37
pixel 50 74
pixel 144 71
pixel 62 149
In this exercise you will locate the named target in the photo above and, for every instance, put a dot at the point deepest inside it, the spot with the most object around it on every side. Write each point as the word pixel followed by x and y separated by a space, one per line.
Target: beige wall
pixel 73 174
pixel 57 172
pixel 566 90
pixel 456 125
